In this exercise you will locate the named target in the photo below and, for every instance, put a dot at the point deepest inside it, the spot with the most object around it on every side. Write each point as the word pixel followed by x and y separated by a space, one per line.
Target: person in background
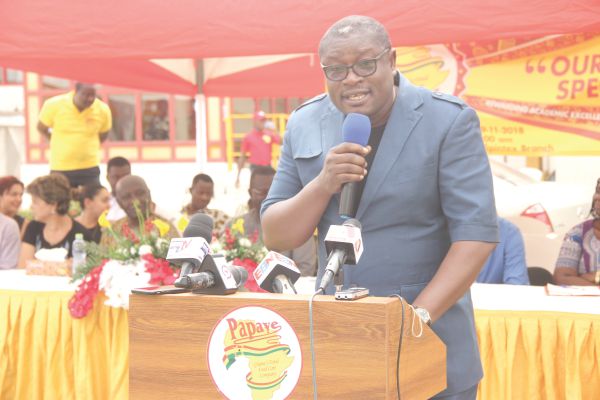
pixel 305 256
pixel 116 168
pixel 507 263
pixel 259 144
pixel 135 199
pixel 11 198
pixel 578 261
pixel 10 242
pixel 94 200
pixel 202 191
pixel 75 123
pixel 51 226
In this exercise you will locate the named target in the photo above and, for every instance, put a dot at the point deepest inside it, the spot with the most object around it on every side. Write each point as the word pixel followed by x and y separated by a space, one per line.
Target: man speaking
pixel 427 206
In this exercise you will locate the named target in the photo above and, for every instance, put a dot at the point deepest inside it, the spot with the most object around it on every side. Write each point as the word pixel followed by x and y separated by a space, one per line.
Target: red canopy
pixel 108 32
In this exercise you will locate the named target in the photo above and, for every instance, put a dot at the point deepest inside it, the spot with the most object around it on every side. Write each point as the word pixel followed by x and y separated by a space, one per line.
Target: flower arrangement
pixel 241 249
pixel 126 260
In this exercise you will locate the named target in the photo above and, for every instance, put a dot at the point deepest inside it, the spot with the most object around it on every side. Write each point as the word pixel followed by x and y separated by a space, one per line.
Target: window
pixel 280 106
pixel 122 107
pixel 264 105
pixel 50 82
pixel 185 118
pixel 155 117
pixel 14 76
pixel 243 106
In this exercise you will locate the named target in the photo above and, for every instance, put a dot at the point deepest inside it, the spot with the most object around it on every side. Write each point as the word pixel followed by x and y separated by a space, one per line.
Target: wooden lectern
pixel 356 344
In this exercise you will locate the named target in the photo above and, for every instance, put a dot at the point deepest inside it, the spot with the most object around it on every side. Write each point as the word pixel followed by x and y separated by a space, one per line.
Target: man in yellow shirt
pixel 75 123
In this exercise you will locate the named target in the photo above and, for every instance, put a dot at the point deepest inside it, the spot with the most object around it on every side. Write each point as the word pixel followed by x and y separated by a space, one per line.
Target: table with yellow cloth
pixel 47 354
pixel 532 346
pixel 535 346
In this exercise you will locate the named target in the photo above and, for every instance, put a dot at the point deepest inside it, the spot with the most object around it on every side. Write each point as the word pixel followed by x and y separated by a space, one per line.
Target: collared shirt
pixel 260 145
pixel 507 263
pixel 430 185
pixel 75 138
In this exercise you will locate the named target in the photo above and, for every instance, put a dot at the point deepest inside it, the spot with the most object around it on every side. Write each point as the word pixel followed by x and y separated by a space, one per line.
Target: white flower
pixel 117 279
pixel 160 242
pixel 133 251
pixel 244 242
pixel 145 249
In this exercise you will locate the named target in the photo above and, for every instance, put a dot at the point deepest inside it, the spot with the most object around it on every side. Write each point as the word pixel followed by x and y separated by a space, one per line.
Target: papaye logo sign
pixel 254 353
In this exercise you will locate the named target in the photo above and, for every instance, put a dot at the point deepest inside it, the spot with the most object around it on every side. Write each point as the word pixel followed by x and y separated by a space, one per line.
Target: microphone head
pixel 200 225
pixel 356 129
pixel 273 265
pixel 346 237
pixel 240 274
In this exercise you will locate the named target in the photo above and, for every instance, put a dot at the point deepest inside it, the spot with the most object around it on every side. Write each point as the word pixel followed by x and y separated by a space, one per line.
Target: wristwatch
pixel 424 315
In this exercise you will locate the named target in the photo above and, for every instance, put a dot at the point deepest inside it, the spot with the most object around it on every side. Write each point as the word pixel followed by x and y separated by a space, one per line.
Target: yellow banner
pixel 534 97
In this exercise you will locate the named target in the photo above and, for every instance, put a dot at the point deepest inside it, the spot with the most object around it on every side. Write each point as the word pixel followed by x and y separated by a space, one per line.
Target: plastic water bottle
pixel 78 252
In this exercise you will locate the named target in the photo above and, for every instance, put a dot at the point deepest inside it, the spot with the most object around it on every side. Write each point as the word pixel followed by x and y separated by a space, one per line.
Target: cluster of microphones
pixel 206 273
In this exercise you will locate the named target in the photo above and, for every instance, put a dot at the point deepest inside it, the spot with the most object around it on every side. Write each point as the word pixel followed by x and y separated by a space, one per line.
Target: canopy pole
pixel 200 110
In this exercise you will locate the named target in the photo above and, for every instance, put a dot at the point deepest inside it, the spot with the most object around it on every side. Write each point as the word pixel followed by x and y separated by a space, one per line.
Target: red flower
pixel 229 239
pixel 160 271
pixel 83 300
pixel 128 233
pixel 249 265
pixel 148 226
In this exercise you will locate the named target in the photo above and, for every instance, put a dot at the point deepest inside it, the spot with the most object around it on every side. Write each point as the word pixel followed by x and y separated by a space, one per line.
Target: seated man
pixel 134 198
pixel 202 191
pixel 507 263
pixel 304 256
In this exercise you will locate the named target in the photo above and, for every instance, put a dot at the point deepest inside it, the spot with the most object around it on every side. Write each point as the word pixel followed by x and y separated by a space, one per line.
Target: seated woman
pixel 202 192
pixel 51 227
pixel 579 258
pixel 94 199
pixel 11 197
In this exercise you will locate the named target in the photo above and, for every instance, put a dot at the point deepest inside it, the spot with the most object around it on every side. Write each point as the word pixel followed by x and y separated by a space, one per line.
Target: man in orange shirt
pixel 75 123
pixel 259 144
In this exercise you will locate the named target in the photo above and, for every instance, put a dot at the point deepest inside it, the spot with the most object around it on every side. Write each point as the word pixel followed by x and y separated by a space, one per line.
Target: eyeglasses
pixel 364 68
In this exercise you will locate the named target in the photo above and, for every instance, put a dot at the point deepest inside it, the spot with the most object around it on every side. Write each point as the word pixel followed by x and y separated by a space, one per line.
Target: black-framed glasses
pixel 363 68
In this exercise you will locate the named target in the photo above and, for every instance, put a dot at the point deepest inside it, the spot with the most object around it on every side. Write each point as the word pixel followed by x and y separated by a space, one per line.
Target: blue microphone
pixel 355 129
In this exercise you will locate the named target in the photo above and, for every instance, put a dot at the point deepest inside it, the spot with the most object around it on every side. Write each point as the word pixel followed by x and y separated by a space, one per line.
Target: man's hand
pixel 344 163
pixel 44 131
pixel 103 136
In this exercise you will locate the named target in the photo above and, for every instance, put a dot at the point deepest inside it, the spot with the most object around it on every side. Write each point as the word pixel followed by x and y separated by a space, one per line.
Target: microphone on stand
pixel 190 250
pixel 344 246
pixel 355 129
pixel 277 274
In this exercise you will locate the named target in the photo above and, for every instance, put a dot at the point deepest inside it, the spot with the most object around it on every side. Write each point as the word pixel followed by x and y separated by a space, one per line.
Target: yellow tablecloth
pixel 539 355
pixel 47 354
